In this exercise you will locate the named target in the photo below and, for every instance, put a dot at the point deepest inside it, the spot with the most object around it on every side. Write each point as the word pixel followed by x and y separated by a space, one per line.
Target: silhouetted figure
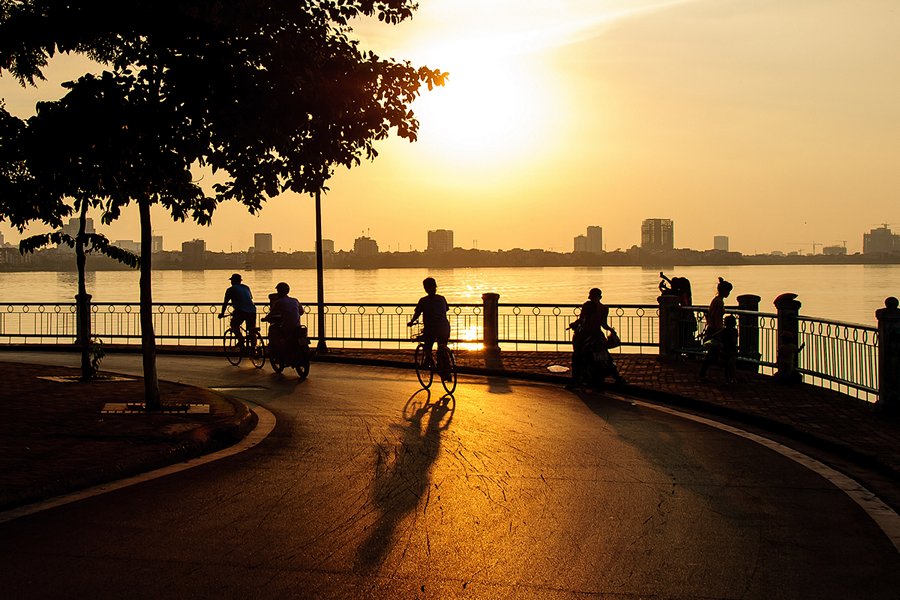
pixel 436 327
pixel 729 337
pixel 788 359
pixel 712 340
pixel 243 309
pixel 284 319
pixel 589 342
pixel 681 288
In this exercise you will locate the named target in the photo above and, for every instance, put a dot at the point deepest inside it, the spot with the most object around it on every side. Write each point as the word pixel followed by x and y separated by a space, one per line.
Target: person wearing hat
pixel 243 309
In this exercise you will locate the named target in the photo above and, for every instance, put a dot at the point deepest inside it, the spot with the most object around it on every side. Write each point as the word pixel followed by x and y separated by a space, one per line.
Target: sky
pixel 774 123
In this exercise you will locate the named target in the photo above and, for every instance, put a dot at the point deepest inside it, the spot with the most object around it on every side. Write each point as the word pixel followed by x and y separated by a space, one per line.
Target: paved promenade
pixel 55 439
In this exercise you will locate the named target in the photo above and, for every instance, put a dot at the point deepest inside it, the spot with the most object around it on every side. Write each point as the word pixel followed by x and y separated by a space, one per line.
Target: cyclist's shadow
pixel 403 472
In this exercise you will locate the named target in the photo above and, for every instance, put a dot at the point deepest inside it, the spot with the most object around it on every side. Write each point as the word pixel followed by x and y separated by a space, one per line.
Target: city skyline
pixel 773 124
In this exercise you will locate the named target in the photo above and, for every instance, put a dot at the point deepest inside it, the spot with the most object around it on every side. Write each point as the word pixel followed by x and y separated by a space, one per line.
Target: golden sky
pixel 774 122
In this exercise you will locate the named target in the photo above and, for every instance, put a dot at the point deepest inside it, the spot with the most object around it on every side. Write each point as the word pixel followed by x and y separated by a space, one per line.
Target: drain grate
pixel 135 408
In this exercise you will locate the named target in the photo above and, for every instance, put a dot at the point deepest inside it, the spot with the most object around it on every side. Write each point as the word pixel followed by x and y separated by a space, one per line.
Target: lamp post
pixel 321 346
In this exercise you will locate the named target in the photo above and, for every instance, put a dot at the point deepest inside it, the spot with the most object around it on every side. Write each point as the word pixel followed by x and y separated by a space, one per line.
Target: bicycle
pixel 235 350
pixel 426 367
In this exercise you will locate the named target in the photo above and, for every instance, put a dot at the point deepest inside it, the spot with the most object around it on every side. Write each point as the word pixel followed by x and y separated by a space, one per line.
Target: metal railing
pixel 835 355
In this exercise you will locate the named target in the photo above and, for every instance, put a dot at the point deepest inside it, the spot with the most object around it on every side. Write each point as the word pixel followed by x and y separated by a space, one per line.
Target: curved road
pixel 371 488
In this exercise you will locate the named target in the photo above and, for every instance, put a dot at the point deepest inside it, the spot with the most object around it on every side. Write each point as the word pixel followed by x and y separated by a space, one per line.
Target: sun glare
pixel 493 109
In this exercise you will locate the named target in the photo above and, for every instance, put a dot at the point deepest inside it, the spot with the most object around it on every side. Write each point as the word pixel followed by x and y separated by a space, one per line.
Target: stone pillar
pixel 491 322
pixel 748 333
pixel 788 308
pixel 889 356
pixel 670 342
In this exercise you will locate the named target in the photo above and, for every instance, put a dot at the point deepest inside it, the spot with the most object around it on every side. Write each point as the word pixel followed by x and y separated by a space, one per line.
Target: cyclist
pixel 284 316
pixel 433 308
pixel 244 311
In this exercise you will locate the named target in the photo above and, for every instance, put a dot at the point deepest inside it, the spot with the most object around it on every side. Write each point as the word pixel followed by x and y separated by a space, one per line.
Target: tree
pixel 270 94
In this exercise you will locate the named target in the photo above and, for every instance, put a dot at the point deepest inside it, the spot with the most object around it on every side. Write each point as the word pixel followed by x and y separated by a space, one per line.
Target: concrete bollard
pixel 748 333
pixel 491 322
pixel 889 356
pixel 670 342
pixel 788 308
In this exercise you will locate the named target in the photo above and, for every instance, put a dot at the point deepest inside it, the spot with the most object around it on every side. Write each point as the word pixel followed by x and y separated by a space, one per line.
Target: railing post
pixel 748 333
pixel 889 356
pixel 669 327
pixel 788 308
pixel 491 322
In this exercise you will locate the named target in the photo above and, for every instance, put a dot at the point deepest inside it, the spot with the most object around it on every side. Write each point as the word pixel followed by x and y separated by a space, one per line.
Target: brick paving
pixel 54 439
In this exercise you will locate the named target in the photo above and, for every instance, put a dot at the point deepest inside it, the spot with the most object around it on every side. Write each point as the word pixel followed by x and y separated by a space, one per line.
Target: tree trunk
pixel 82 300
pixel 148 338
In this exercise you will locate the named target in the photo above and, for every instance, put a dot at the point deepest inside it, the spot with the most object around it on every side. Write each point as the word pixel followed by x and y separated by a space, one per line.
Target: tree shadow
pixel 402 479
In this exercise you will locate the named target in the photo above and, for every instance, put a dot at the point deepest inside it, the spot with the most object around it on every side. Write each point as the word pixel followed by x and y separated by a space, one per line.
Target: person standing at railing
pixel 433 309
pixel 715 317
pixel 243 309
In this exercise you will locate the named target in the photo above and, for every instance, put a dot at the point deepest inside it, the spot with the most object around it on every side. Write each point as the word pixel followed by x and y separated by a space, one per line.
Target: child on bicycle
pixel 433 308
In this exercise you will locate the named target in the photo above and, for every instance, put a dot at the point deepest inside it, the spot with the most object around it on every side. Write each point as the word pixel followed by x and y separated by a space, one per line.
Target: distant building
pixel 720 242
pixel 130 245
pixel 262 242
pixel 594 239
pixel 881 241
pixel 657 234
pixel 581 243
pixel 365 246
pixel 440 240
pixel 71 228
pixel 327 246
pixel 592 242
pixel 156 244
pixel 193 252
pixel 834 250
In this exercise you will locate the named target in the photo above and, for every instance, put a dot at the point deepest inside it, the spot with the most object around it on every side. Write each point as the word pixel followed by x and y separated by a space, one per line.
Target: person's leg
pixel 251 328
pixel 237 317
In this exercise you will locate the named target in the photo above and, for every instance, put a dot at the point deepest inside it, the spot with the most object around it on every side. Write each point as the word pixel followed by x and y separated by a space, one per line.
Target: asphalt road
pixel 369 487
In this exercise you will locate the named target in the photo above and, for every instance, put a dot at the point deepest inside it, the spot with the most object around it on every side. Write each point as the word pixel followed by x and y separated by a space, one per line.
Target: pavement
pixel 56 438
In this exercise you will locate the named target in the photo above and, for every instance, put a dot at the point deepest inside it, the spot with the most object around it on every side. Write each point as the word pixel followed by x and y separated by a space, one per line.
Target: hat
pixel 235 276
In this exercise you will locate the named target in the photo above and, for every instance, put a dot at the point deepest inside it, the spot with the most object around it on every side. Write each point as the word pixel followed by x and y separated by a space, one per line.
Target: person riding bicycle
pixel 433 308
pixel 284 319
pixel 243 309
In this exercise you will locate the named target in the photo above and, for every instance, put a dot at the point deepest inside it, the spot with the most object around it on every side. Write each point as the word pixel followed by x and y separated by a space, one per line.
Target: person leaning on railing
pixel 715 325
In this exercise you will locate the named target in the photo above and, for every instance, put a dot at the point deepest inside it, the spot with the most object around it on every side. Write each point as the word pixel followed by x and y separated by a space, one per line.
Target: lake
pixel 839 292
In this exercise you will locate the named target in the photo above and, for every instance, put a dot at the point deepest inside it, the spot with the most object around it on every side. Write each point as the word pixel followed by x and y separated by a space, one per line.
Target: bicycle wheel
pixel 258 353
pixel 231 348
pixel 277 365
pixel 450 364
pixel 423 367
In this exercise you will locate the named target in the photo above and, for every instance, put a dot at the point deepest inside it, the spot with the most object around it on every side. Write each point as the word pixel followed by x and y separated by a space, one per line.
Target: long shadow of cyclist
pixel 403 473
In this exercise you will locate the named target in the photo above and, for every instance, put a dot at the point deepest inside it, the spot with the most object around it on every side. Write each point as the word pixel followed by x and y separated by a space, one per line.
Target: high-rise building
pixel 440 240
pixel 720 242
pixel 156 243
pixel 71 228
pixel 327 247
pixel 365 246
pixel 262 242
pixel 581 243
pixel 657 234
pixel 193 252
pixel 881 241
pixel 594 239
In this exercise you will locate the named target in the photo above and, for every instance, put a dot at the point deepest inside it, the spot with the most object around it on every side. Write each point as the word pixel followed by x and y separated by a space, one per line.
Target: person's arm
pixel 225 302
pixel 416 314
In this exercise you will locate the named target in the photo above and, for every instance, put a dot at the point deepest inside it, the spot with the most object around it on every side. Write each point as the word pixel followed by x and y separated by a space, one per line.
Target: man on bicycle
pixel 433 308
pixel 243 310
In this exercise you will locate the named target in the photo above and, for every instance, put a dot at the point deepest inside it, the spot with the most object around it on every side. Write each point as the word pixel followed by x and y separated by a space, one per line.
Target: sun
pixel 493 109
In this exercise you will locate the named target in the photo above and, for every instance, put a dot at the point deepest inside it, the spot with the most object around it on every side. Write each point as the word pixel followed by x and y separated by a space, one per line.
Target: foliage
pixel 93 242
